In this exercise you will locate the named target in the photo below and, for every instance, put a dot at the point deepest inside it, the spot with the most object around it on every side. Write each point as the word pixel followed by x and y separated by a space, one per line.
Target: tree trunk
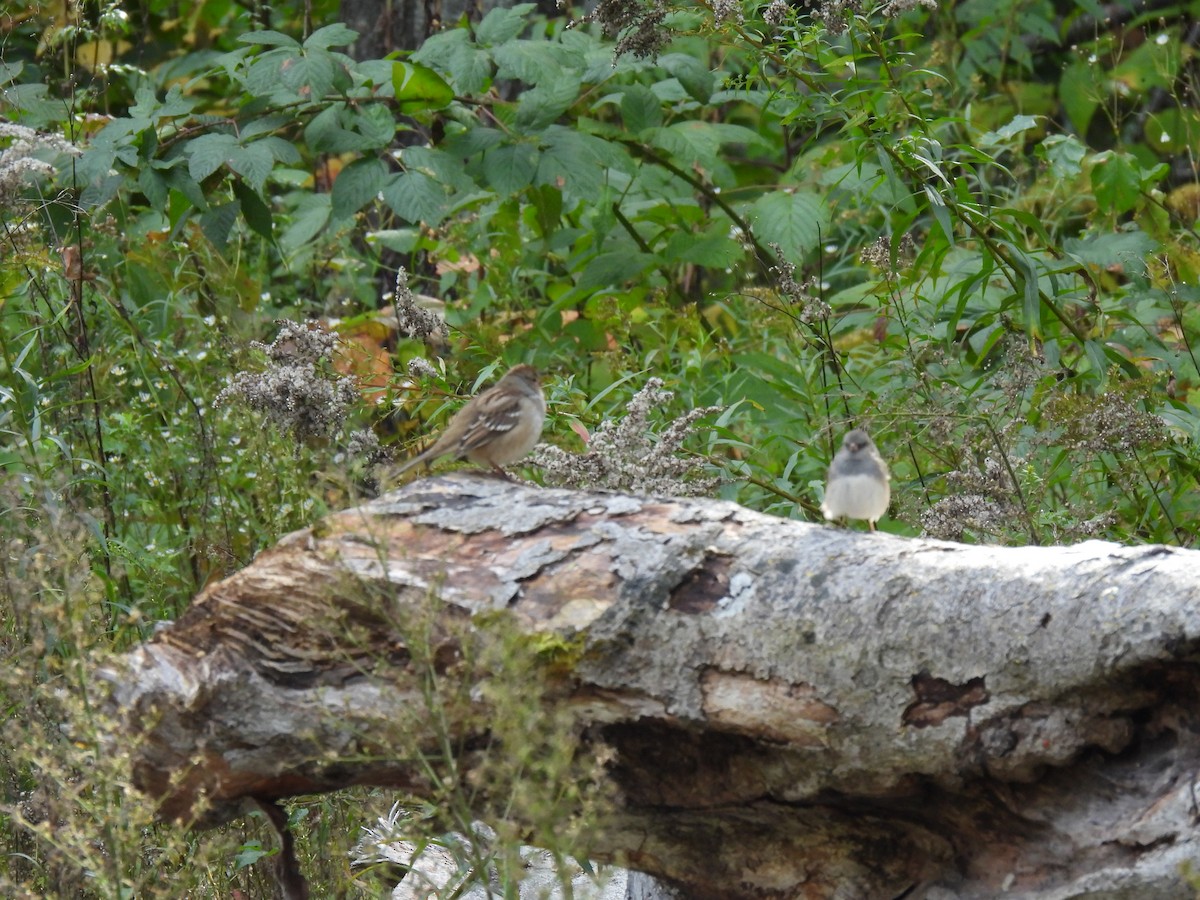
pixel 786 709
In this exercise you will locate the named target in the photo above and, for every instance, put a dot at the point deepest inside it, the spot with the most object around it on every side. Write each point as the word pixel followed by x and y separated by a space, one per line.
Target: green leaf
pixel 253 163
pixel 218 221
pixel 310 75
pixel 335 35
pixel 540 106
pixel 356 186
pixel 794 221
pixel 254 210
pixel 1124 250
pixel 469 66
pixel 1116 182
pixel 510 169
pixel 501 25
pixel 208 153
pixel 419 88
pixel 1081 91
pixel 692 74
pixel 1065 154
pixel 416 198
pixel 532 61
pixel 269 39
pixel 714 249
pixel 154 186
pixel 640 108
pixel 309 218
pixel 616 268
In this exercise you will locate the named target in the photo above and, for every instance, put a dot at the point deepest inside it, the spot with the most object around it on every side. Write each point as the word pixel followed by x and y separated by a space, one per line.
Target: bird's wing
pixel 495 414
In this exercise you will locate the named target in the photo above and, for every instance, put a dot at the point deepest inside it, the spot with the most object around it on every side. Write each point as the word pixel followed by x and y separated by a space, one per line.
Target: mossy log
pixel 783 709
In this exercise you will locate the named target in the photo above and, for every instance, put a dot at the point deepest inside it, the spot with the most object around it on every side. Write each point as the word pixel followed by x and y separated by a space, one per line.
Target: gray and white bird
pixel 857 484
pixel 497 427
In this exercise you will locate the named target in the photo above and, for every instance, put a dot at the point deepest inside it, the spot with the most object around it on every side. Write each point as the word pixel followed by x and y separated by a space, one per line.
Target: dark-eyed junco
pixel 497 427
pixel 857 484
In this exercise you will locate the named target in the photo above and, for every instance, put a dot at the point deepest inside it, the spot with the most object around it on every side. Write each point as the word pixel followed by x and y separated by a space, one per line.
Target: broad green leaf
pixel 376 124
pixel 501 25
pixel 1004 135
pixel 335 35
pixel 1116 182
pixel 532 61
pixel 269 39
pixel 440 166
pixel 356 186
pixel 540 106
pixel 218 221
pixel 715 249
pixel 310 75
pixel 1081 91
pixel 793 220
pixel 1065 154
pixel 510 169
pixel 1124 250
pixel 453 52
pixel 419 88
pixel 616 268
pixel 253 163
pixel 416 198
pixel 309 218
pixel 640 108
pixel 692 74
pixel 154 186
pixel 208 153
pixel 256 212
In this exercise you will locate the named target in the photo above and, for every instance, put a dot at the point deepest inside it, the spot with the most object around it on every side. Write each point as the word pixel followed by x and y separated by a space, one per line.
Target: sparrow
pixel 857 484
pixel 497 427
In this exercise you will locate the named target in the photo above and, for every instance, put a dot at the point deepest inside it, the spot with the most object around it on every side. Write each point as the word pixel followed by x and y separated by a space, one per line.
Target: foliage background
pixel 970 227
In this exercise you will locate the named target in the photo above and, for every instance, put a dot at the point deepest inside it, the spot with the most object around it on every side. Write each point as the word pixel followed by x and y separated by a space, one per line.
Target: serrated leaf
pixel 1127 250
pixel 510 169
pixel 253 163
pixel 335 35
pixel 532 61
pixel 640 108
pixel 218 221
pixel 255 211
pixel 419 88
pixel 269 39
pixel 794 221
pixel 154 186
pixel 376 124
pixel 1116 182
pixel 416 198
pixel 695 77
pixel 310 75
pixel 440 166
pixel 280 150
pixel 309 218
pixel 208 153
pixel 540 106
pixel 356 186
pixel 715 249
pixel 501 25
pixel 579 161
pixel 453 52
pixel 616 268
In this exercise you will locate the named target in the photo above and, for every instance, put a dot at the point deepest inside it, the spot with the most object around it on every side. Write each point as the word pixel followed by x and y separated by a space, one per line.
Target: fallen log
pixel 782 709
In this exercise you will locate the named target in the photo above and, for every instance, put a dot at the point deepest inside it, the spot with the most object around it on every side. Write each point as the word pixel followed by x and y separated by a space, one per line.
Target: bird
pixel 497 427
pixel 856 486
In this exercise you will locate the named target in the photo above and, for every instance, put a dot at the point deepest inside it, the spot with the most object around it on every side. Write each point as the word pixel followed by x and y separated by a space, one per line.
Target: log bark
pixel 791 710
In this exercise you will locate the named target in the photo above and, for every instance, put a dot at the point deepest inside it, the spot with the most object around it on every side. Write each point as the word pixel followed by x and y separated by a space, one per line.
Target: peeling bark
pixel 793 710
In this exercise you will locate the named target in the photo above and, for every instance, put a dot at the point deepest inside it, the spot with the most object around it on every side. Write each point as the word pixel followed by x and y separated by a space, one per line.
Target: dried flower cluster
pixel 899 7
pixel 625 455
pixel 777 13
pixel 295 391
pixel 832 14
pixel 21 159
pixel 812 307
pixel 879 254
pixel 980 500
pixel 637 25
pixel 412 320
pixel 1110 423
pixel 726 10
